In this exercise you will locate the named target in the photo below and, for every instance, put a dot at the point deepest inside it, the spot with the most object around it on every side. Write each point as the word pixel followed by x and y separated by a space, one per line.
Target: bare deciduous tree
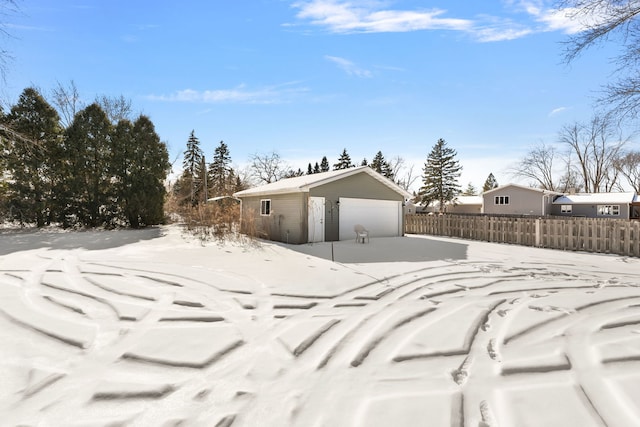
pixel 629 167
pixel 539 165
pixel 268 168
pixel 7 8
pixel 610 21
pixel 116 107
pixel 67 101
pixel 594 146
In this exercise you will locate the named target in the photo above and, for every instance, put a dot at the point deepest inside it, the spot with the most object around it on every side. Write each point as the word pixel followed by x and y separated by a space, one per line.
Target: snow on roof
pixel 539 190
pixel 302 184
pixel 468 200
pixel 595 198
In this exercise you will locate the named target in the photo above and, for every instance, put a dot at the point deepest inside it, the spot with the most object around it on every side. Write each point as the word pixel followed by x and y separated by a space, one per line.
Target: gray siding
pixel 590 211
pixel 286 223
pixel 358 186
pixel 522 201
pixel 464 209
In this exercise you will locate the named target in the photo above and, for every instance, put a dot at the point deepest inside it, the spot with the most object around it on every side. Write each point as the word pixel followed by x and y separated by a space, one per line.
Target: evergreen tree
pixel 316 168
pixel 193 171
pixel 238 184
pixel 440 179
pixel 324 164
pixel 309 169
pixel 292 173
pixel 220 171
pixel 470 190
pixel 378 162
pixel 344 161
pixel 86 185
pixel 141 190
pixel 31 157
pixel 380 165
pixel 364 162
pixel 490 183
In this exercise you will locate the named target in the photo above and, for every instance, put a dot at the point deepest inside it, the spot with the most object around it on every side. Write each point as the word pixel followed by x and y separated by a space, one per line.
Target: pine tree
pixel 220 171
pixel 316 168
pixel 31 157
pixel 324 164
pixel 380 165
pixel 192 165
pixel 378 162
pixel 490 183
pixel 309 169
pixel 344 161
pixel 440 179
pixel 364 162
pixel 470 190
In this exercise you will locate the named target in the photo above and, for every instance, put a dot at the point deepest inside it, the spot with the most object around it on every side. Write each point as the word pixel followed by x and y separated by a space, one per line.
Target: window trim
pixel 566 208
pixel 265 207
pixel 501 200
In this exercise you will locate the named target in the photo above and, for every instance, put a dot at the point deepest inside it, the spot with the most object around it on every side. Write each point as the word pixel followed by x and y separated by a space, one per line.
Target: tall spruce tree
pixel 441 173
pixel 344 161
pixel 324 164
pixel 193 171
pixel 382 166
pixel 220 171
pixel 31 138
pixel 490 183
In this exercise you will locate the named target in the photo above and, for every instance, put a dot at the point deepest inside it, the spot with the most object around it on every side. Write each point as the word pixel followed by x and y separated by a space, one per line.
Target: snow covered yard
pixel 147 328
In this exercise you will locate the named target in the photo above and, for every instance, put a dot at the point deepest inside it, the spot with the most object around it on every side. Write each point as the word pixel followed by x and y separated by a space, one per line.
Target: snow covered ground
pixel 150 328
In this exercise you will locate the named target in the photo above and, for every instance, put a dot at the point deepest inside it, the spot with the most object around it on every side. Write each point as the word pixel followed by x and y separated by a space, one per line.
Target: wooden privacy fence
pixel 615 236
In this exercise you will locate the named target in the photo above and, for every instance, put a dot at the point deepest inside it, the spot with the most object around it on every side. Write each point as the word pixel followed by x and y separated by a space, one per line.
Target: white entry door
pixel 316 219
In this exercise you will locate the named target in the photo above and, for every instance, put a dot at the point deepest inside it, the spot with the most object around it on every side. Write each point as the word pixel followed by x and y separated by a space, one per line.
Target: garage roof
pixel 302 184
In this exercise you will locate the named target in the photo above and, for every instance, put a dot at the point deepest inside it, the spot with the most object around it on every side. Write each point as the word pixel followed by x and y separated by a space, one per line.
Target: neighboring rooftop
pixel 595 198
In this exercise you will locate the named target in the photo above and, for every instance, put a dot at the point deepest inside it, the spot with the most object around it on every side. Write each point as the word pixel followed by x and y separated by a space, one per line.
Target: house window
pixel 608 210
pixel 566 208
pixel 265 207
pixel 501 200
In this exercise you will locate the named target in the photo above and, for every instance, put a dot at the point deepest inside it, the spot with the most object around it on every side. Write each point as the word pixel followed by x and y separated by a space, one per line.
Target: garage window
pixel 265 207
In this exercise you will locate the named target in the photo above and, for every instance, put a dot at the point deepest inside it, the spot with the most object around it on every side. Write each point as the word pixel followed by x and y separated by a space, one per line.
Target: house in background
pixel 324 206
pixel 598 205
pixel 513 199
pixel 460 205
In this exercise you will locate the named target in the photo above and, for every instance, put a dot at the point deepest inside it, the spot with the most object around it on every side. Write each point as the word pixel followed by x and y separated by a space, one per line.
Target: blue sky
pixel 308 78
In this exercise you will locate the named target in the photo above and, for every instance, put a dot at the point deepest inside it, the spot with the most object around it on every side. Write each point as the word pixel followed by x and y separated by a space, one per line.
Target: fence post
pixel 538 237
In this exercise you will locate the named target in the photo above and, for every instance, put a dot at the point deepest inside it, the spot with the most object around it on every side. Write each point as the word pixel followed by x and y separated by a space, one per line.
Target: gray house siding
pixel 590 211
pixel 287 221
pixel 521 201
pixel 464 209
pixel 359 186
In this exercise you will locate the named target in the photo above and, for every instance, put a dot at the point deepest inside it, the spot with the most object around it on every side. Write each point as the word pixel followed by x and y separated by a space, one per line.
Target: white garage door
pixel 383 218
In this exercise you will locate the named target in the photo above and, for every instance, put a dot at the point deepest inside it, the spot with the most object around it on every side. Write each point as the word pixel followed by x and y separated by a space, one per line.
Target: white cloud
pixel 240 95
pixel 349 67
pixel 556 111
pixel 343 17
pixel 363 16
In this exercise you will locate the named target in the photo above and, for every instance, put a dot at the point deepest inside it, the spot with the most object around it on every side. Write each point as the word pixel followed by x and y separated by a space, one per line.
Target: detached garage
pixel 324 207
